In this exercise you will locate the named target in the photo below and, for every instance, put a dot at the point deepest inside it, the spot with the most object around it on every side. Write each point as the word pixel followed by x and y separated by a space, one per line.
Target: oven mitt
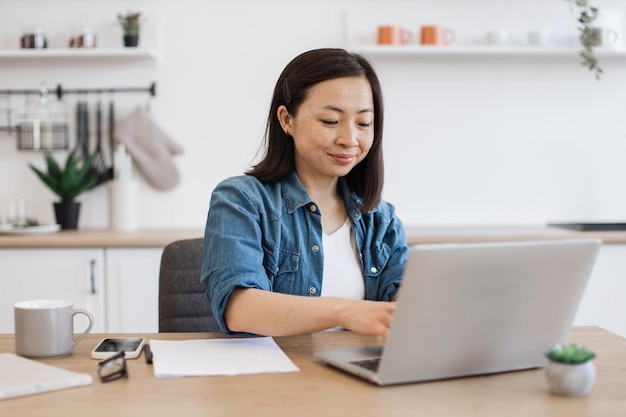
pixel 150 147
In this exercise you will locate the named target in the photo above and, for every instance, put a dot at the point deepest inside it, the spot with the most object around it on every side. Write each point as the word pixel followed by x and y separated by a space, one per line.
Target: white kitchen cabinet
pixel 133 289
pixel 70 274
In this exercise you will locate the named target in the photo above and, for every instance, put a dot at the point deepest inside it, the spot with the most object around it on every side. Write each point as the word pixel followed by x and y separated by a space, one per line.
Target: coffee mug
pixel 498 37
pixel 539 37
pixel 36 40
pixel 436 35
pixel 45 328
pixel 597 36
pixel 393 35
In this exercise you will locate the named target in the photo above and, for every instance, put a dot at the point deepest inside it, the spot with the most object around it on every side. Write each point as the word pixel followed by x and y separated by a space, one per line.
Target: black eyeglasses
pixel 113 368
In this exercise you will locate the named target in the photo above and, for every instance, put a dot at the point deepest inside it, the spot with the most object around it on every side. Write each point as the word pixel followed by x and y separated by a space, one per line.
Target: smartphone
pixel 131 346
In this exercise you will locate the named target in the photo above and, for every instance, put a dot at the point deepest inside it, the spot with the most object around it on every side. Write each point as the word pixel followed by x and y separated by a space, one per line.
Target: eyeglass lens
pixel 112 368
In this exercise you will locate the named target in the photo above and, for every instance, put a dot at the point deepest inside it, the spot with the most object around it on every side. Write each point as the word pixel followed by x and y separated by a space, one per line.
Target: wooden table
pixel 321 391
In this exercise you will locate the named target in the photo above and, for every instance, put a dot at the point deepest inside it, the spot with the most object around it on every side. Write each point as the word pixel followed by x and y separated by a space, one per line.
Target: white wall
pixel 468 139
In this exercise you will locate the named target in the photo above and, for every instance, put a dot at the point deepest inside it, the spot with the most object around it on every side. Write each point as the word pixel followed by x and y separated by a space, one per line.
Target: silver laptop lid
pixel 472 309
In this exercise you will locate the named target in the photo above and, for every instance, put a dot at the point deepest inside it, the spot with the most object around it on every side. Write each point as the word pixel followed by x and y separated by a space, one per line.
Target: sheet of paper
pixel 232 356
pixel 20 376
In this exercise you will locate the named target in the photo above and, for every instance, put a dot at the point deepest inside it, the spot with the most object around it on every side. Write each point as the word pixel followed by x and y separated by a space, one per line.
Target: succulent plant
pixel 130 22
pixel 69 182
pixel 570 354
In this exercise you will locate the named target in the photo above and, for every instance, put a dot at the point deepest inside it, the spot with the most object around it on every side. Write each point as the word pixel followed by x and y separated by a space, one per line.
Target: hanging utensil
pixel 111 138
pixel 85 129
pixel 98 164
pixel 78 146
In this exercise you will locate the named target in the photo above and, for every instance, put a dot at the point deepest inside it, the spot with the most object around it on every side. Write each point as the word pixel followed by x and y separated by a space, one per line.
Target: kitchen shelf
pixel 480 51
pixel 79 54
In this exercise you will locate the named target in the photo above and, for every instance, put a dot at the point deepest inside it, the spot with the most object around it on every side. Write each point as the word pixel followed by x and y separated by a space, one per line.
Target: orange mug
pixel 436 35
pixel 393 35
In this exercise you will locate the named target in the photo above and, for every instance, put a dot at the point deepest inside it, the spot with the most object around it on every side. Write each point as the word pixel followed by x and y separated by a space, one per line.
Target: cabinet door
pixel 133 289
pixel 69 274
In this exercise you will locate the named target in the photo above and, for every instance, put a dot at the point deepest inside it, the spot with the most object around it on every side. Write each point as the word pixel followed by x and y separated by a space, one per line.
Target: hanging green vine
pixel 589 37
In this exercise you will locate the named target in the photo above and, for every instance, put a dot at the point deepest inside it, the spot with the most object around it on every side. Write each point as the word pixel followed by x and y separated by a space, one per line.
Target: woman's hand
pixel 366 317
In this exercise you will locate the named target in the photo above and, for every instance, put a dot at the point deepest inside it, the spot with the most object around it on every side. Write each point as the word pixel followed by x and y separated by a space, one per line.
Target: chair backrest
pixel 183 306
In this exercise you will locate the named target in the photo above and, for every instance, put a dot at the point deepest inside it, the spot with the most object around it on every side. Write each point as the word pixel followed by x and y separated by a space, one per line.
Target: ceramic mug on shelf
pixel 598 36
pixel 612 20
pixel 34 40
pixel 45 328
pixel 393 35
pixel 498 37
pixel 436 35
pixel 539 37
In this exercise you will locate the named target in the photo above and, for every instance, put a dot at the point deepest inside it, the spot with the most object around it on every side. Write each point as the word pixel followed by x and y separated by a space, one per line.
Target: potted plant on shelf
pixel 589 36
pixel 570 370
pixel 131 26
pixel 68 183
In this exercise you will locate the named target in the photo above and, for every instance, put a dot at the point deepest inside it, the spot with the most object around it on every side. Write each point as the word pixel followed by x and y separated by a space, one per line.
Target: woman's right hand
pixel 366 317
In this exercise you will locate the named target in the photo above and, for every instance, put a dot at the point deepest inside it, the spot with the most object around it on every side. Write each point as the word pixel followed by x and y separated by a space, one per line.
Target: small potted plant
pixel 588 35
pixel 68 183
pixel 570 370
pixel 131 26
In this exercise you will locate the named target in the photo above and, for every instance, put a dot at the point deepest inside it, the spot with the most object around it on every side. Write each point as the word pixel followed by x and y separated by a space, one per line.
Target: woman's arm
pixel 274 314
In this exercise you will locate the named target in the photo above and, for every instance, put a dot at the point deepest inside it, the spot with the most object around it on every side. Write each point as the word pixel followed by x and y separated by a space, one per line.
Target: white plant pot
pixel 570 379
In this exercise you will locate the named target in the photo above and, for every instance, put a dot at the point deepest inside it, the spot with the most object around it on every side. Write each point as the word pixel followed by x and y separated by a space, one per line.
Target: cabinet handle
pixel 92 278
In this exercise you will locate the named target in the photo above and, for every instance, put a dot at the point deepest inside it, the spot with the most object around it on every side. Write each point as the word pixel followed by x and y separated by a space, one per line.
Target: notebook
pixel 20 376
pixel 476 308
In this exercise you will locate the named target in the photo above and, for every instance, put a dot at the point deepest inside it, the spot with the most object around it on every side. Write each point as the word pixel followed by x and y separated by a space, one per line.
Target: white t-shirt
pixel 342 267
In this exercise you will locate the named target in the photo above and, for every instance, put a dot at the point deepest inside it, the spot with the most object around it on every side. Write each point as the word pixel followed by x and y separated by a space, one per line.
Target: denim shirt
pixel 269 237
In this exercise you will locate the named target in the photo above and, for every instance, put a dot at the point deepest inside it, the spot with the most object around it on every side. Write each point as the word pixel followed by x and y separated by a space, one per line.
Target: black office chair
pixel 183 306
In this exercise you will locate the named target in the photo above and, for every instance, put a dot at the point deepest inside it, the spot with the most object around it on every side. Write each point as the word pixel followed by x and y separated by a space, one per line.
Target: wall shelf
pixel 480 51
pixel 79 54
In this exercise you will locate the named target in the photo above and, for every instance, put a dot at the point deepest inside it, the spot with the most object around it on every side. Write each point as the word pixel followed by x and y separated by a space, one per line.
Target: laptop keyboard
pixel 370 364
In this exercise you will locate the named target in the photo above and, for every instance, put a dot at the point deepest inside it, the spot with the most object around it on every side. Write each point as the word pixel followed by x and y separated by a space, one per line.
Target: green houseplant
pixel 570 370
pixel 588 35
pixel 131 26
pixel 67 183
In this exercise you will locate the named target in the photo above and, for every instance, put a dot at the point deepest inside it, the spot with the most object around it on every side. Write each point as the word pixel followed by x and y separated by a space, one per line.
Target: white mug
pixel 45 328
pixel 539 37
pixel 498 37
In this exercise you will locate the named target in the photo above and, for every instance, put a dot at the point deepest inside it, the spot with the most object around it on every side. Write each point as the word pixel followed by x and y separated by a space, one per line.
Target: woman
pixel 303 242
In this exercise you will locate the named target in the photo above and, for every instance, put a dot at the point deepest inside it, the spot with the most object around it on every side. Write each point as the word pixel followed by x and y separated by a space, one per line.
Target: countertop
pixel 466 234
pixel 100 238
pixel 415 235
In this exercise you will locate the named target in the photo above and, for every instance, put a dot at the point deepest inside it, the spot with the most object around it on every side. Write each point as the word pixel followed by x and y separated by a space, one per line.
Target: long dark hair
pixel 303 72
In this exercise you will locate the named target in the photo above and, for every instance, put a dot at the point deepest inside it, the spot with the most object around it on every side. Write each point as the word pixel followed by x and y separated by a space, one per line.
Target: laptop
pixel 476 308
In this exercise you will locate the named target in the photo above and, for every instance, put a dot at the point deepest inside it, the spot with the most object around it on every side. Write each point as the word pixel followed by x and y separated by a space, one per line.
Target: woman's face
pixel 333 129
